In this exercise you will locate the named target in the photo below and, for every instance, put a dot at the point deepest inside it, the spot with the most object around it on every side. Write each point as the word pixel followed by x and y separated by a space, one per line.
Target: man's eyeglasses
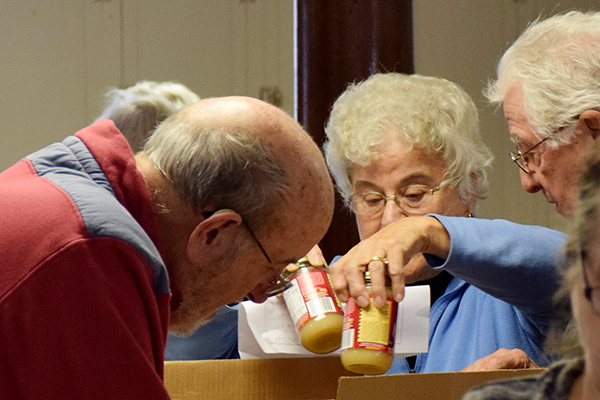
pixel 208 214
pixel 592 293
pixel 277 285
pixel 410 199
pixel 521 159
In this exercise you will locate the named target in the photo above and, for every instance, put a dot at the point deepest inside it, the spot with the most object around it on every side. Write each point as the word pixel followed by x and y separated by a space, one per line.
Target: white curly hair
pixel 431 113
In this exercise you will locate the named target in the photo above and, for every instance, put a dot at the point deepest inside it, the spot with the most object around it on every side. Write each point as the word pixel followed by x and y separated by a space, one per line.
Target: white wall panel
pixel 54 57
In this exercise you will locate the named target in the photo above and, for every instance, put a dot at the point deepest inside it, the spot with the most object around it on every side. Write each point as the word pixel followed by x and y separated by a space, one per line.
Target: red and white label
pixel 310 295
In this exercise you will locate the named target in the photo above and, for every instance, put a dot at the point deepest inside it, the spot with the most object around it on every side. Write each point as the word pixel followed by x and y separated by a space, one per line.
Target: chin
pixel 566 213
pixel 184 324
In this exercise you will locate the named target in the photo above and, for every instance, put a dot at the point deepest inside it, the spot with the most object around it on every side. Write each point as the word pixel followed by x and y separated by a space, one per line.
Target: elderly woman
pixel 404 146
pixel 573 379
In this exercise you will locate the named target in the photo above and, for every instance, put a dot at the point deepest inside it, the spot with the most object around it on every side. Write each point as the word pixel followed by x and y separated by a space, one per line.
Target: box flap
pixel 255 379
pixel 438 386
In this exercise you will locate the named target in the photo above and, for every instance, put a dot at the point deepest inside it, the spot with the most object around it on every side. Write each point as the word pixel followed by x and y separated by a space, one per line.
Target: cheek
pixel 450 206
pixel 367 226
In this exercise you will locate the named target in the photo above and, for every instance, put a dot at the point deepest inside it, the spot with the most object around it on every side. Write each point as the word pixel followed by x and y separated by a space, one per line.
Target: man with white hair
pixel 549 83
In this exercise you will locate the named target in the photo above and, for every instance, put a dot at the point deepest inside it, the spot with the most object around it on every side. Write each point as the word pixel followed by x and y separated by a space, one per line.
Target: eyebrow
pixel 362 185
pixel 411 179
pixel 517 141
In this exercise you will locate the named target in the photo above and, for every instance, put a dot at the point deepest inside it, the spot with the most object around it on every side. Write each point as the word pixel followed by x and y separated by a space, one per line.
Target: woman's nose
pixel 391 213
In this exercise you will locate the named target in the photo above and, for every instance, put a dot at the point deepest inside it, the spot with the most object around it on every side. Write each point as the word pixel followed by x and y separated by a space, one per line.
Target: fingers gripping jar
pixel 368 335
pixel 314 307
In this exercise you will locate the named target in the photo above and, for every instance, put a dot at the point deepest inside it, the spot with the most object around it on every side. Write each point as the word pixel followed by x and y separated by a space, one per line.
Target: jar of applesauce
pixel 368 335
pixel 314 307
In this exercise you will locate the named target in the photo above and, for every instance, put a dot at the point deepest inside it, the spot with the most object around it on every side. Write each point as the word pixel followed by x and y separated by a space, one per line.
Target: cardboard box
pixel 438 386
pixel 313 378
pixel 255 379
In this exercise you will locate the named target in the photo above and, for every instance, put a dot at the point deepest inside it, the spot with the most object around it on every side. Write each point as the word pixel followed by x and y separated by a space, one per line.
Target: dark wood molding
pixel 339 42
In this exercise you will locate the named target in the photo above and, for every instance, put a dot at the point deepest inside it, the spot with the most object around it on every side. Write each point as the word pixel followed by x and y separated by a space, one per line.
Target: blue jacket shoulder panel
pixel 70 166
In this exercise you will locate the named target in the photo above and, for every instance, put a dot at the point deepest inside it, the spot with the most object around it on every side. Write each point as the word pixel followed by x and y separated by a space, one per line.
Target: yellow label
pixel 374 325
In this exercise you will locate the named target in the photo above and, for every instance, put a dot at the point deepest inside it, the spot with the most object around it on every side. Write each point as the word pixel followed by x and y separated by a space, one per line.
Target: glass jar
pixel 314 307
pixel 368 335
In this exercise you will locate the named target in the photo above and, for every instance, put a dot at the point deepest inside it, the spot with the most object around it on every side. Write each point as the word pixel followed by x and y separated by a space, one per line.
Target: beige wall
pixel 58 57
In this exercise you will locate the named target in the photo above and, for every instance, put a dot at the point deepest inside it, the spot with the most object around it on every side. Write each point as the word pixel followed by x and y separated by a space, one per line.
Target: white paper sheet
pixel 266 330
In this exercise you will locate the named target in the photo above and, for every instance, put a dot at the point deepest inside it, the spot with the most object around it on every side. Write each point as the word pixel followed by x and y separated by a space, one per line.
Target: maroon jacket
pixel 84 293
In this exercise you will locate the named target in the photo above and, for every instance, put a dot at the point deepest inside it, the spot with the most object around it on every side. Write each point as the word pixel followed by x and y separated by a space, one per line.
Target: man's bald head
pixel 244 154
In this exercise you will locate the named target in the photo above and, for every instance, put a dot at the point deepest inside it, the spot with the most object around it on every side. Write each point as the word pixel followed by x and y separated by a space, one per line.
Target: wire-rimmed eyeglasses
pixel 411 198
pixel 521 159
pixel 591 293
pixel 277 285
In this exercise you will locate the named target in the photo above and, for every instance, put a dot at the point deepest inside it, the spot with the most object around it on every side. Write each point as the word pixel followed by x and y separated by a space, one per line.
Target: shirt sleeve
pixel 512 262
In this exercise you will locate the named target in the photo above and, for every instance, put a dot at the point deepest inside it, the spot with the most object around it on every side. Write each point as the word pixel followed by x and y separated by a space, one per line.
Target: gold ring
pixel 377 258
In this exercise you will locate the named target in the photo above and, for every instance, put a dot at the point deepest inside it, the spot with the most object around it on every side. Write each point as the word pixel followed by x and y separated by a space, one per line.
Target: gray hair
pixel 217 168
pixel 557 62
pixel 138 109
pixel 431 113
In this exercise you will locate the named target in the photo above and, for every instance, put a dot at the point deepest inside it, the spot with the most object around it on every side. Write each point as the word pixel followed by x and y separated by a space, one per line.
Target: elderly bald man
pixel 104 251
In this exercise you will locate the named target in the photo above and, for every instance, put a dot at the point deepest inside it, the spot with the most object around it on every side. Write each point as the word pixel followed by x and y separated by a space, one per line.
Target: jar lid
pixel 367 277
pixel 303 260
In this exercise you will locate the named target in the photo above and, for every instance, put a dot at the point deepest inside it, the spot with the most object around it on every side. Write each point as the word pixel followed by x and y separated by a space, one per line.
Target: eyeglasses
pixel 411 198
pixel 279 285
pixel 521 159
pixel 208 214
pixel 592 293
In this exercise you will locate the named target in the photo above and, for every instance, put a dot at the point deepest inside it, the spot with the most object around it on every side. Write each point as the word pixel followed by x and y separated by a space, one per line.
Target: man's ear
pixel 591 119
pixel 212 232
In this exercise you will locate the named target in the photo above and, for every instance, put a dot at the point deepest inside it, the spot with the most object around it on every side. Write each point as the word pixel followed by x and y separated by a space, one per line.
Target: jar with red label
pixel 314 307
pixel 368 334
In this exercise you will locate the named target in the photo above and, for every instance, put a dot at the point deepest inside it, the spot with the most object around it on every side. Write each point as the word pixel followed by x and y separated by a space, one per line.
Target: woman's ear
pixel 212 232
pixel 473 199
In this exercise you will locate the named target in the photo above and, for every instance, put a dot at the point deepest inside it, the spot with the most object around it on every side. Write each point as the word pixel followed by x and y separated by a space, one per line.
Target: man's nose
pixel 529 181
pixel 391 213
pixel 257 296
pixel 260 292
